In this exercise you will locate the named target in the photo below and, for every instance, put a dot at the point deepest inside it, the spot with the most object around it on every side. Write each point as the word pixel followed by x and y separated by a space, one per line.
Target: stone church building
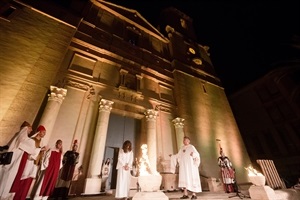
pixel 101 74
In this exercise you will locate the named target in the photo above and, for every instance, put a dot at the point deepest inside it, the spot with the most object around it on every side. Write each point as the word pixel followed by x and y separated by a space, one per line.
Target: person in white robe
pixel 124 166
pixel 19 145
pixel 188 159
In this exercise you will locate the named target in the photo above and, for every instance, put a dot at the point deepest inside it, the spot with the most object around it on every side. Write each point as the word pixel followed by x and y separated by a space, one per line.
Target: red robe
pixel 51 174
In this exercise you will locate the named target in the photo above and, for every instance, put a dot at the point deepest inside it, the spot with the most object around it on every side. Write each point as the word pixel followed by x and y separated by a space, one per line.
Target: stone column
pixel 151 115
pixel 179 124
pixel 93 181
pixel 50 113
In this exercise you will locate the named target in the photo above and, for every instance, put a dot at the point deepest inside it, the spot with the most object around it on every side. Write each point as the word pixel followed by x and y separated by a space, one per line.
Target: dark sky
pixel 245 38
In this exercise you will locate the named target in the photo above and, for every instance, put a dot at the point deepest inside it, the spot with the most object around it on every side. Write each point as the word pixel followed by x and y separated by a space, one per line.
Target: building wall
pixel 119 56
pixel 208 117
pixel 32 47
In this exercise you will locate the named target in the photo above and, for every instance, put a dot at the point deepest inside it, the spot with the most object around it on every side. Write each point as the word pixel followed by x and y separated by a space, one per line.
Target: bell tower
pixel 187 55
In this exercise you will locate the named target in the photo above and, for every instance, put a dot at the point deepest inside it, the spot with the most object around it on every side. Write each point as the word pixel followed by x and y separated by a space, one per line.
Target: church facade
pixel 101 74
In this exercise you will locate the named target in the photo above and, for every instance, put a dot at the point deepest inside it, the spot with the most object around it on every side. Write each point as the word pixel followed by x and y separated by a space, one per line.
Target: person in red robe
pixel 24 178
pixel 50 166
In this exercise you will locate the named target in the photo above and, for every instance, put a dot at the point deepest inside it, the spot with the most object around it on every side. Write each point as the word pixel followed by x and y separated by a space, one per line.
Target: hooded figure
pixel 21 186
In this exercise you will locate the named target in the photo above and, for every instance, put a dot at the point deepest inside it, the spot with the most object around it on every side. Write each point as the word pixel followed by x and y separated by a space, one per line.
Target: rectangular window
pixel 82 64
pixel 7 11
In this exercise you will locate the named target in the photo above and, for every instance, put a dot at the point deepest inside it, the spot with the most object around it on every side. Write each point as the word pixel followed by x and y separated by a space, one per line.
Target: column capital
pixel 151 114
pixel 178 122
pixel 105 105
pixel 57 94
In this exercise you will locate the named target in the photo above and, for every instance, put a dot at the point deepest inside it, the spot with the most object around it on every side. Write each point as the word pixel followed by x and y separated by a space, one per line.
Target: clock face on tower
pixel 192 51
pixel 197 61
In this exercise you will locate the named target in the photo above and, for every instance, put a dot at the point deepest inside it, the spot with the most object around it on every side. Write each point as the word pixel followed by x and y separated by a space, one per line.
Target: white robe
pixel 123 177
pixel 20 144
pixel 188 168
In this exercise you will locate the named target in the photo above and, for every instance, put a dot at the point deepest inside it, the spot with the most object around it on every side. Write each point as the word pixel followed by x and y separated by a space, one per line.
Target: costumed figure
pixel 21 186
pixel 50 166
pixel 188 159
pixel 105 174
pixel 124 167
pixel 22 147
pixel 135 168
pixel 70 159
pixel 227 172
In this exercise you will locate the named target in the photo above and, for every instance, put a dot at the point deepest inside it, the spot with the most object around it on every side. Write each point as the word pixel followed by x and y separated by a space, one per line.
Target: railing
pixel 270 172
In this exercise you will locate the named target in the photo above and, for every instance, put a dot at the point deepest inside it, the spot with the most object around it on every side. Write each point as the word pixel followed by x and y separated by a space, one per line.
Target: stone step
pixel 211 195
pixel 284 194
pixel 174 195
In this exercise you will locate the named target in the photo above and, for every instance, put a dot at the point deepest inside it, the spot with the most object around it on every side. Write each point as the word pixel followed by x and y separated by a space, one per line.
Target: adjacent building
pixel 268 115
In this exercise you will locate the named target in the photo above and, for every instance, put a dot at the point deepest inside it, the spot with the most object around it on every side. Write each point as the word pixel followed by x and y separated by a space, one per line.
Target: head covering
pixel 25 123
pixel 41 128
pixel 38 130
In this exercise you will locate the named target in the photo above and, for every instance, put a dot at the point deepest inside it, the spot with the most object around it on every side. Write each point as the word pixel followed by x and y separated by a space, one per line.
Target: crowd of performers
pixel 36 171
pixel 39 172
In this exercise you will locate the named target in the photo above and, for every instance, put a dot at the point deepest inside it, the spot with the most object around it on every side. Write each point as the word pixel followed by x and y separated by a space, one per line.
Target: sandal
pixel 184 197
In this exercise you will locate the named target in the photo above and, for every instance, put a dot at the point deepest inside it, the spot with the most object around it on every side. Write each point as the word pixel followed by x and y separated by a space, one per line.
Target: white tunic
pixel 188 168
pixel 20 144
pixel 123 177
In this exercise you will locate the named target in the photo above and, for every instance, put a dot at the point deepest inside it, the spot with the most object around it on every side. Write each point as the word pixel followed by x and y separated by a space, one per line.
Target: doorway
pixel 120 129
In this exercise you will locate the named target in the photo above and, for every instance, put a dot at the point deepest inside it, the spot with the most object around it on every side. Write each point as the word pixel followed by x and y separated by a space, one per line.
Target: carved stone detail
pixel 57 94
pixel 78 85
pixel 151 114
pixel 105 105
pixel 178 122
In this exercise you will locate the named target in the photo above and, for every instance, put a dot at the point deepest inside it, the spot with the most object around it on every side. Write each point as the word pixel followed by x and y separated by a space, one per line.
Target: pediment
pixel 132 15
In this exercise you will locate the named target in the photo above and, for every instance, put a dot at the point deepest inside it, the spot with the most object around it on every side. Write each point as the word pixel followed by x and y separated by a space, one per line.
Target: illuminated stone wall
pixel 32 47
pixel 122 59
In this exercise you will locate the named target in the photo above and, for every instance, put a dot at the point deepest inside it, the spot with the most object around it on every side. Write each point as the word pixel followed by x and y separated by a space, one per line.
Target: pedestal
pixel 92 186
pixel 149 183
pixel 262 193
pixel 169 181
pixel 150 196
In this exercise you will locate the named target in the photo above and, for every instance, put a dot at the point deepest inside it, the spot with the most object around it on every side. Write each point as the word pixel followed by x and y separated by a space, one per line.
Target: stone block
pixel 263 193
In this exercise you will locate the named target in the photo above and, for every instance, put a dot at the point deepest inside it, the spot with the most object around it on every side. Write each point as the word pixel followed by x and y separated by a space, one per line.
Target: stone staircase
pixel 284 194
pixel 211 195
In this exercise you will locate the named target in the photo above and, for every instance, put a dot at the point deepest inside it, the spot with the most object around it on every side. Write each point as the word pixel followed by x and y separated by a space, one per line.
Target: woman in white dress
pixel 124 166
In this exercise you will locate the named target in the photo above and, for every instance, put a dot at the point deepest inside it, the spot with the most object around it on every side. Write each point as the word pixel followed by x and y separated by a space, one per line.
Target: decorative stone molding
pixel 91 92
pixel 78 85
pixel 105 105
pixel 129 95
pixel 57 94
pixel 178 122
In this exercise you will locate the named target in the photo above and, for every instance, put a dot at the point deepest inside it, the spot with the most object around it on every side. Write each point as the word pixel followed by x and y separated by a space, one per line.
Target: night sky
pixel 245 38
